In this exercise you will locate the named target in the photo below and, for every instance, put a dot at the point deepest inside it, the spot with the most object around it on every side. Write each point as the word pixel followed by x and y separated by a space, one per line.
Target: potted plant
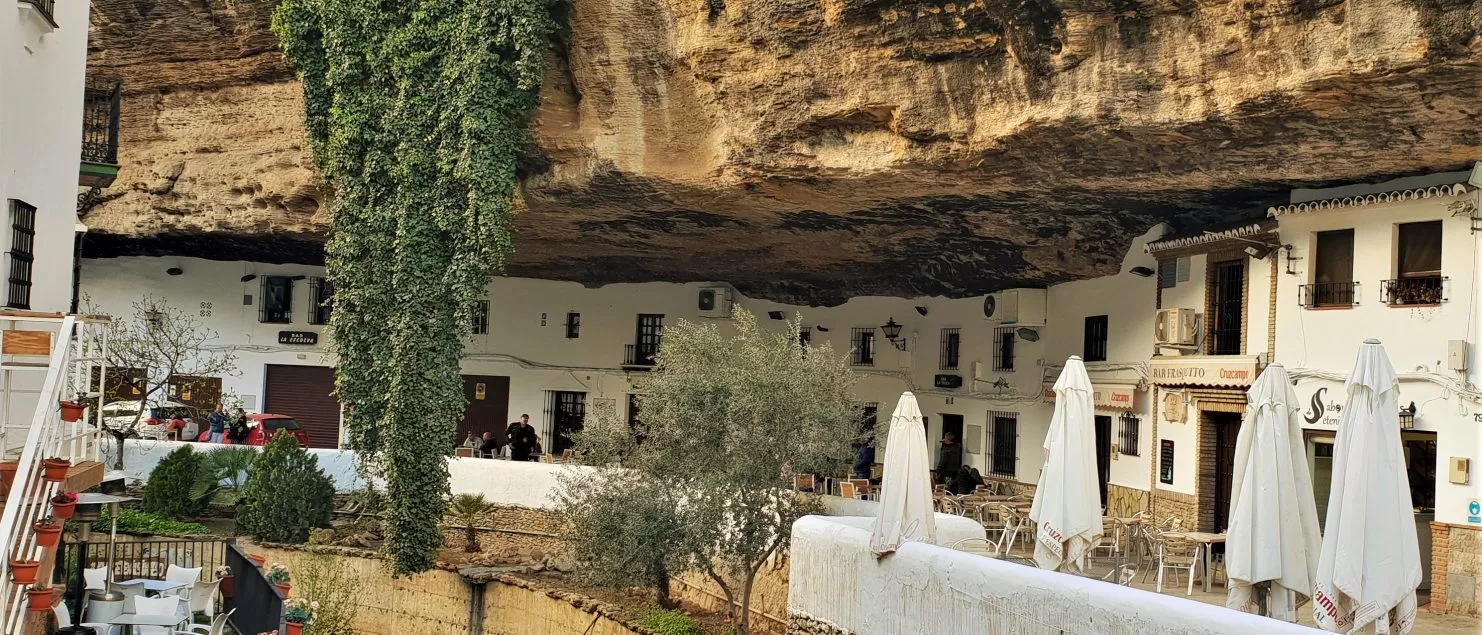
pixel 55 469
pixel 39 597
pixel 296 613
pixel 23 572
pixel 72 411
pixel 48 532
pixel 278 576
pixel 258 560
pixel 228 586
pixel 63 505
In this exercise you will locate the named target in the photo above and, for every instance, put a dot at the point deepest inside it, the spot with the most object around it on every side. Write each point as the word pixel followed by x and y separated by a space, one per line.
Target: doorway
pixel 487 409
pixel 1225 429
pixel 567 412
pixel 1103 454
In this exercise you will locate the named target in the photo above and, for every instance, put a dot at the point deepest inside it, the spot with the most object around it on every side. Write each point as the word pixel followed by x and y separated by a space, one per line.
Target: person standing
pixel 218 420
pixel 522 439
pixel 949 458
pixel 237 426
pixel 864 459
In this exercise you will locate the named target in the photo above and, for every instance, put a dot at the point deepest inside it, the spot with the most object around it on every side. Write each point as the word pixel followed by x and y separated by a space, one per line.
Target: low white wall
pixel 141 455
pixel 862 513
pixel 930 590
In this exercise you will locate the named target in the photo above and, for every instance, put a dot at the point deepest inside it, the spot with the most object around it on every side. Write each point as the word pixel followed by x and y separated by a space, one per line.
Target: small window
pixel 863 342
pixel 1005 451
pixel 805 335
pixel 321 300
pixel 277 300
pixel 573 326
pixel 1165 462
pixel 1168 273
pixel 479 321
pixel 951 349
pixel 1332 276
pixel 1127 440
pixel 1095 339
pixel 1004 341
pixel 22 247
pixel 1419 250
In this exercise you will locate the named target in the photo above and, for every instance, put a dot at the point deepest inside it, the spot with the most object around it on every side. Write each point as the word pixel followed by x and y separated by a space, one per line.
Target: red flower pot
pixel 55 470
pixel 284 588
pixel 294 628
pixel 63 511
pixel 228 586
pixel 47 536
pixel 258 560
pixel 72 411
pixel 23 572
pixel 39 599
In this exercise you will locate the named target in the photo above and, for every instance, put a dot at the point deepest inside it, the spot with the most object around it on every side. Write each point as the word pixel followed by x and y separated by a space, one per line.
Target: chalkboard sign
pixel 1165 462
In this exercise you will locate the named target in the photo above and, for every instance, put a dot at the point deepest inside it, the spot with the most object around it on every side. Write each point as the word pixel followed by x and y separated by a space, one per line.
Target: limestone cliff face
pixel 810 150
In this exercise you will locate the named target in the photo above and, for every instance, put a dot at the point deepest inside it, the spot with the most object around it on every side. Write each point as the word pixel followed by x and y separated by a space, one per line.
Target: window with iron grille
pixel 478 323
pixel 1004 341
pixel 805 335
pixel 321 300
pixel 276 306
pixel 1225 320
pixel 1004 455
pixel 573 326
pixel 1168 273
pixel 863 341
pixel 1127 439
pixel 951 349
pixel 22 246
pixel 1095 340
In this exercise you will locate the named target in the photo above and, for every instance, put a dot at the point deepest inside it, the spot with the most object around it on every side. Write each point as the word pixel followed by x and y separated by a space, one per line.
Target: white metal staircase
pixel 32 430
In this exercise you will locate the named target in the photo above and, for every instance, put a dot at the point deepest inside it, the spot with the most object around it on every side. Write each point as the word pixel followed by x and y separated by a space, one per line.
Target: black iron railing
pixel 130 559
pixel 639 356
pixel 1418 291
pixel 1328 294
pixel 45 8
pixel 100 104
pixel 256 605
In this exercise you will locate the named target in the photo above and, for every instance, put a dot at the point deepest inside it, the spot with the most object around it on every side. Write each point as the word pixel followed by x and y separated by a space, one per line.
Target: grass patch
pixel 667 622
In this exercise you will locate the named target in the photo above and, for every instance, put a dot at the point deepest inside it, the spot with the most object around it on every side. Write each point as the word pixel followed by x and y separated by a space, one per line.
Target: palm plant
pixel 228 465
pixel 468 509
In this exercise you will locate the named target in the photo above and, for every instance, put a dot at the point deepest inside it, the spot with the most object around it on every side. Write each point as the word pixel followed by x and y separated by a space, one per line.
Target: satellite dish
pixel 990 304
pixel 1027 334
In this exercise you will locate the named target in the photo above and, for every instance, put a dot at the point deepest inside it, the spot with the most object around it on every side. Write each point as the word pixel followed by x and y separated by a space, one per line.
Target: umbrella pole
pixel 1263 600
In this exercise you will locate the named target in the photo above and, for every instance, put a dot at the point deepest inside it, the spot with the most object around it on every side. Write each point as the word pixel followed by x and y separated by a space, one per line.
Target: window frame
pixel 573 325
pixel 949 354
pixel 996 459
pixel 282 313
pixel 22 255
pixel 321 300
pixel 862 346
pixel 1005 346
pixel 1332 293
pixel 1094 349
pixel 478 322
pixel 1129 434
pixel 1400 249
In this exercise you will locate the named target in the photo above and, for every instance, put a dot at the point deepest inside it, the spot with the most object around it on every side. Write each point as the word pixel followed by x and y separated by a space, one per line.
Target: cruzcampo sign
pixel 1236 371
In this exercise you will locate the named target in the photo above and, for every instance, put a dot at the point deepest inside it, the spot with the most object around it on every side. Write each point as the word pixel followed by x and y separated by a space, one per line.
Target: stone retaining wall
pixel 800 624
pixel 1456 569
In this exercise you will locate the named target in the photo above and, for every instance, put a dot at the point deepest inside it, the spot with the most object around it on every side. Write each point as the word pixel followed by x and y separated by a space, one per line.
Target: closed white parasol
pixel 905 493
pixel 1067 503
pixel 1370 564
pixel 1274 541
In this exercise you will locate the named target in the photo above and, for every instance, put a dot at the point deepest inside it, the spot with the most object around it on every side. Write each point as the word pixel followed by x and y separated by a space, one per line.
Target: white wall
pixel 41 81
pixel 142 455
pixel 930 590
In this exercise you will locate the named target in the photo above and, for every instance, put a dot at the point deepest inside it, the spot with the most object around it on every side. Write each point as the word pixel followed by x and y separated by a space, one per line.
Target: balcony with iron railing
pixel 100 110
pixel 45 9
pixel 639 356
pixel 1328 295
pixel 1413 291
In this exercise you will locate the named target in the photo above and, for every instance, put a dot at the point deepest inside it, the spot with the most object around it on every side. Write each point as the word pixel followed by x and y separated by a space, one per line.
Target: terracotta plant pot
pixel 284 588
pixel 294 628
pixel 23 572
pixel 63 511
pixel 47 536
pixel 72 411
pixel 257 560
pixel 7 476
pixel 228 586
pixel 39 599
pixel 55 470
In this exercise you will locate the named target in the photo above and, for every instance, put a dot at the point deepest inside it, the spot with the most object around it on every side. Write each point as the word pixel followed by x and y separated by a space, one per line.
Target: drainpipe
pixel 79 230
pixel 476 607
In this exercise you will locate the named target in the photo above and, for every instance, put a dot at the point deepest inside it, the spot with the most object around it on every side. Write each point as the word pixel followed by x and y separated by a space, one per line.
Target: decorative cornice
pixel 1245 231
pixel 1397 196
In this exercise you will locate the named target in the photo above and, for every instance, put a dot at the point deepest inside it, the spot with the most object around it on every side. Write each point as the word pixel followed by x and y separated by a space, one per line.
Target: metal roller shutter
pixel 305 393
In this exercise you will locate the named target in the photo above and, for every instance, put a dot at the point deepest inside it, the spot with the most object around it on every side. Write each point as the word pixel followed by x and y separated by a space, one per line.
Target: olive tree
pixel 726 419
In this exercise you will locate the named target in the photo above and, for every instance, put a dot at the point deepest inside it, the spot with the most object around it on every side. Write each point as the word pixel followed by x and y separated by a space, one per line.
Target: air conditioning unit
pixel 1016 306
pixel 1175 327
pixel 714 302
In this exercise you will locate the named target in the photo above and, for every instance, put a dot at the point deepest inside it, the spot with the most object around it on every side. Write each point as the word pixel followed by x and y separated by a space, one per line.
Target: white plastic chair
pixel 189 576
pixel 202 598
pixel 979 546
pixel 166 605
pixel 64 620
pixel 95 579
pixel 130 592
pixel 217 627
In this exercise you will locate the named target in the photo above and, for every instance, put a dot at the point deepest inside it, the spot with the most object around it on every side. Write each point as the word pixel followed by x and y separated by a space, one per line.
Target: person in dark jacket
pixel 490 447
pixel 522 440
pixel 966 481
pixel 949 459
pixel 864 459
pixel 218 421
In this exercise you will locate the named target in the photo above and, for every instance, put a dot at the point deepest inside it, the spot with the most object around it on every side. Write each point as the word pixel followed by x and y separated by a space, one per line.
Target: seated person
pixel 965 481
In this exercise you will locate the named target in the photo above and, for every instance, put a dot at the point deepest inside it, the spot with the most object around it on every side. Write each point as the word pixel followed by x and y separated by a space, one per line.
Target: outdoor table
pixel 157 586
pixel 130 620
pixel 1206 539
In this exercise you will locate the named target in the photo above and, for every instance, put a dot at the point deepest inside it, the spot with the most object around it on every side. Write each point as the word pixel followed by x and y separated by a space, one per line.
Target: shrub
pixel 287 495
pixel 133 521
pixel 670 622
pixel 469 509
pixel 230 465
pixel 324 580
pixel 172 488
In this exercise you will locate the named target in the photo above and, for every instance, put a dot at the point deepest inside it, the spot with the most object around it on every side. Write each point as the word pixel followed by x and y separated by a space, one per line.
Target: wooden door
pixel 1227 428
pixel 1103 454
pixel 650 333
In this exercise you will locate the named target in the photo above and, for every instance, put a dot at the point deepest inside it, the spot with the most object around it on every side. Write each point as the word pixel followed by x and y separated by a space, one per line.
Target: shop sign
pixel 1225 370
pixel 1322 409
pixel 947 381
pixel 1117 397
pixel 1474 511
pixel 298 338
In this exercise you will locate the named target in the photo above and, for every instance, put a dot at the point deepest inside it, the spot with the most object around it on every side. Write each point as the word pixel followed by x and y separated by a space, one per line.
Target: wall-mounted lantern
pixel 892 333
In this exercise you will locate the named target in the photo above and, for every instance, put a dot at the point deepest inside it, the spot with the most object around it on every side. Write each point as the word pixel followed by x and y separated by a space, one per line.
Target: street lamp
pixel 892 333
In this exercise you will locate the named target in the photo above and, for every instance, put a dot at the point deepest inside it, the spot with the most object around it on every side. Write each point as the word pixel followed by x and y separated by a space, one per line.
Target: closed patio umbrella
pixel 1067 503
pixel 1370 563
pixel 1274 540
pixel 905 491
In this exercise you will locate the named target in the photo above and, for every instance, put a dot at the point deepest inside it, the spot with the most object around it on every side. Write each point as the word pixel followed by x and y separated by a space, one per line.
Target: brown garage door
pixel 304 393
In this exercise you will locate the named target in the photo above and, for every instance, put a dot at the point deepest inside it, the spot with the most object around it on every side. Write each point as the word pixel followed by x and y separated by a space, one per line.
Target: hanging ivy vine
pixel 416 112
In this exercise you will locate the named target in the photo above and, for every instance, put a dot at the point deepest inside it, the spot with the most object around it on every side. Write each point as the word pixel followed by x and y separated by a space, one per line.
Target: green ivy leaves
pixel 417 114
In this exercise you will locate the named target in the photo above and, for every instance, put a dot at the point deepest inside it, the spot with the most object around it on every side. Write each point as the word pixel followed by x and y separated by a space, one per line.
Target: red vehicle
pixel 262 427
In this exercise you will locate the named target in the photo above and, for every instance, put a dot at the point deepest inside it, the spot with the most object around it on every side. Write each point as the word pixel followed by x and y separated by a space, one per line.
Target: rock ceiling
pixel 813 150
